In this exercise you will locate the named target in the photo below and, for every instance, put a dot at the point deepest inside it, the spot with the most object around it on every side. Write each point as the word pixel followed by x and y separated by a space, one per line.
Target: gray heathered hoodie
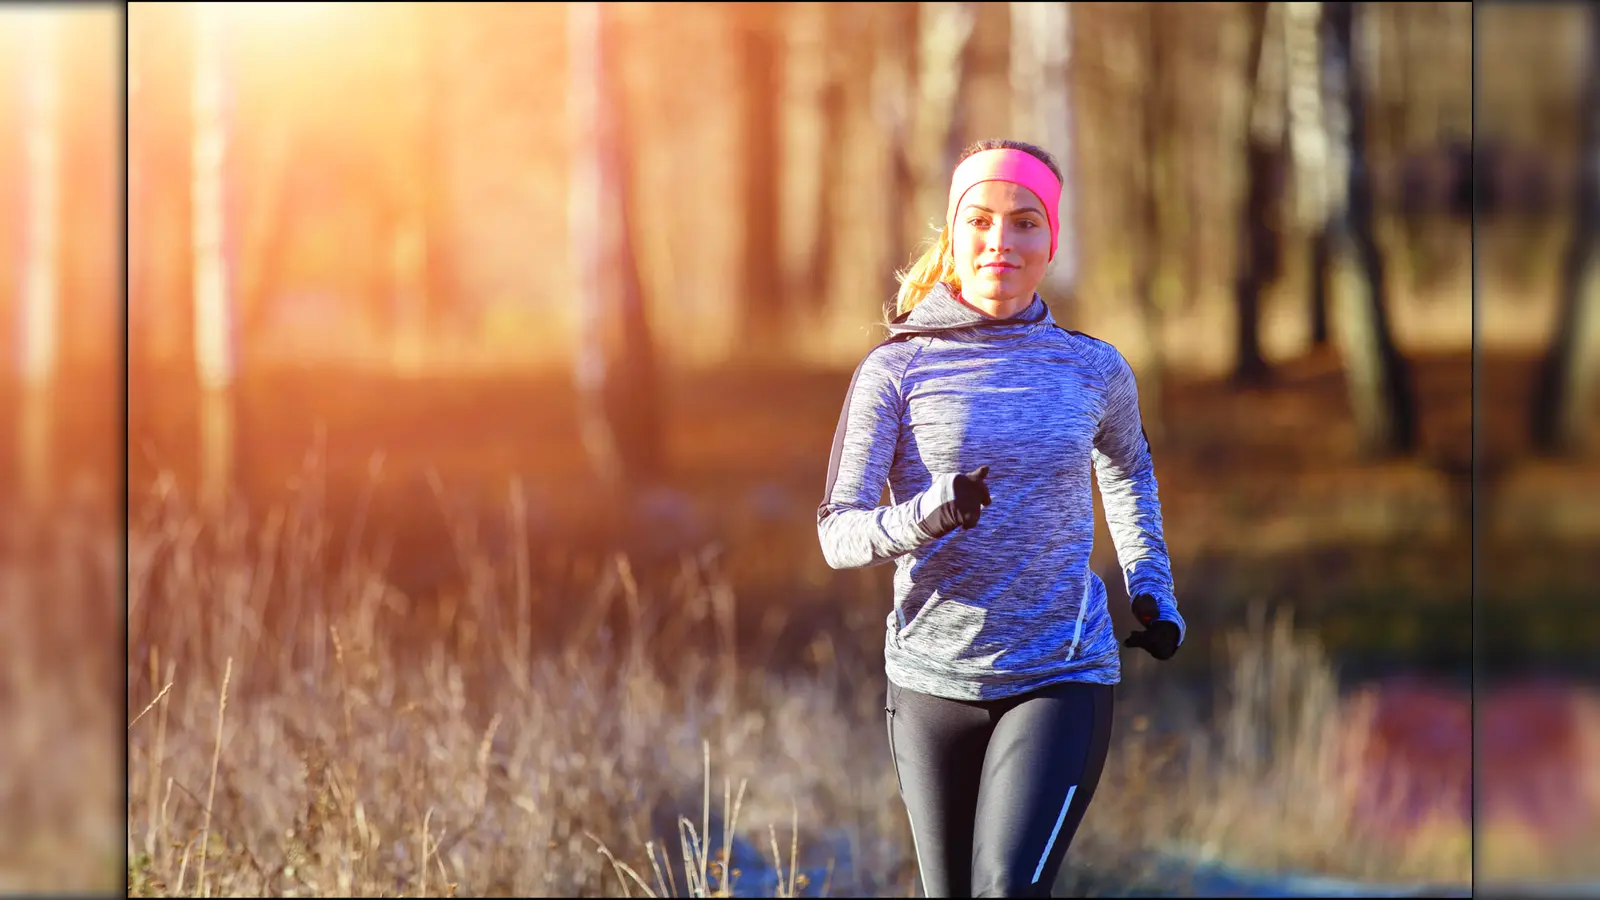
pixel 1011 605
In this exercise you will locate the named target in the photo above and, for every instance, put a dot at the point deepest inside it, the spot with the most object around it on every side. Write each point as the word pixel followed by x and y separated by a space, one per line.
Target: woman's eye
pixel 977 223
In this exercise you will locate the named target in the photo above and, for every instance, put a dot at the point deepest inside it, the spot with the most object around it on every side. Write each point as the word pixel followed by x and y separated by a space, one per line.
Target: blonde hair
pixel 935 264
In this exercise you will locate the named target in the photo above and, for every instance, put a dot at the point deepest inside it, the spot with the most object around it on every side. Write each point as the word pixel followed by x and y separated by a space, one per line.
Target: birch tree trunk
pixel 137 250
pixel 1377 373
pixel 818 278
pixel 160 312
pixel 1565 387
pixel 1151 247
pixel 635 399
pixel 892 92
pixel 1041 113
pixel 408 236
pixel 590 189
pixel 438 258
pixel 615 364
pixel 214 348
pixel 1308 151
pixel 943 35
pixel 40 307
pixel 1258 241
pixel 756 38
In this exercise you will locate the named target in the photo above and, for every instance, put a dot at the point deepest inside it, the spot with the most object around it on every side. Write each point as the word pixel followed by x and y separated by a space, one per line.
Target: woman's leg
pixel 1039 773
pixel 938 748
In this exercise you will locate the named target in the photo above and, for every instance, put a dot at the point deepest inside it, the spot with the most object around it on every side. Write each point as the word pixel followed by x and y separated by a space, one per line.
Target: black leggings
pixel 995 789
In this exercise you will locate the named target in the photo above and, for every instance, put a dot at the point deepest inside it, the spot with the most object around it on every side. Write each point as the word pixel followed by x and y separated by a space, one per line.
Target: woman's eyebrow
pixel 1018 210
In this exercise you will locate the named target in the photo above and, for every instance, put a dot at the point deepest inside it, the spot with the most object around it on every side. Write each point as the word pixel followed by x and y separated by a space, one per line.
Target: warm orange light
pixel 253 16
pixel 282 33
pixel 23 26
pixel 11 16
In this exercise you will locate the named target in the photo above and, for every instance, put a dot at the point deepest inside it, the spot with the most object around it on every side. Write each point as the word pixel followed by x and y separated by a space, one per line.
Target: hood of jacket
pixel 942 312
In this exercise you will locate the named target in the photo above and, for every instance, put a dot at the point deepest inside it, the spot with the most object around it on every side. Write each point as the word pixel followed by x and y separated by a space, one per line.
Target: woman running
pixel 983 417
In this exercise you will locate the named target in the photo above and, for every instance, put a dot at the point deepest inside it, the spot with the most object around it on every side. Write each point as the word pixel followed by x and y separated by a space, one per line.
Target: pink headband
pixel 1016 167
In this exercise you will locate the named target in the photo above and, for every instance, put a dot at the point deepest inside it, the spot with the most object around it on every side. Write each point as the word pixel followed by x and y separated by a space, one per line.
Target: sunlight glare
pixel 267 15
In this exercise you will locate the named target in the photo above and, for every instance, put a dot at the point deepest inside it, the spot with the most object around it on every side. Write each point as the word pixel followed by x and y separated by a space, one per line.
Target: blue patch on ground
pixel 1214 879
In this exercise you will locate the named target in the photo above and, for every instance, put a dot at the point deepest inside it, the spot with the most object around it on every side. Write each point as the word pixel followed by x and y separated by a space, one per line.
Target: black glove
pixel 1159 637
pixel 972 495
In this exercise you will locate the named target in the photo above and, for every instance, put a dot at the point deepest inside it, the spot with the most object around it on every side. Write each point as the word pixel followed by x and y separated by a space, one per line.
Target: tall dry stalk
pixel 211 790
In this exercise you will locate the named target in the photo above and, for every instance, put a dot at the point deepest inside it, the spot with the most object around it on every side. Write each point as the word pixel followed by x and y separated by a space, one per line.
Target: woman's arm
pixel 854 530
pixel 1128 489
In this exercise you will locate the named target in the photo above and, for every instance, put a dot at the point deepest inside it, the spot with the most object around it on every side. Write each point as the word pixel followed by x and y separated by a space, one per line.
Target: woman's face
pixel 1002 245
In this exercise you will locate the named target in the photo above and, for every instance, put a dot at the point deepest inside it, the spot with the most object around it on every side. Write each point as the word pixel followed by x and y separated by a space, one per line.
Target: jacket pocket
pixel 908 624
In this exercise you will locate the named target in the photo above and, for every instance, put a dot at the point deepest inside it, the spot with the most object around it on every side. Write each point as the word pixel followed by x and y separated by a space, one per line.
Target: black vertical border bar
pixel 1474 792
pixel 122 481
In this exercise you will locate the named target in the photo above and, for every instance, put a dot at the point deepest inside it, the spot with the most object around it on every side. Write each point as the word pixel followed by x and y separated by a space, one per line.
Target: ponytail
pixel 935 264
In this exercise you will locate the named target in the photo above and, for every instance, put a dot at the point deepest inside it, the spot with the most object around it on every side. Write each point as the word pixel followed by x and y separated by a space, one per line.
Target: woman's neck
pixel 998 309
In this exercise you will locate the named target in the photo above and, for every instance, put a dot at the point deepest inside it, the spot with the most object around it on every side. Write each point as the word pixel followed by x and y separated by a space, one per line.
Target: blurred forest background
pixel 483 359
pixel 61 388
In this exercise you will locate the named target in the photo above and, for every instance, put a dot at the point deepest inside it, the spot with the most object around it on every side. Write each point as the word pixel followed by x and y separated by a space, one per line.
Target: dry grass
pixel 1277 781
pixel 298 727
pixel 358 758
pixel 60 670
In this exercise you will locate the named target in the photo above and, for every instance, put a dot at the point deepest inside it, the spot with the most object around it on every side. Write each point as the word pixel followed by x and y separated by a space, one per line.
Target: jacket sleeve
pixel 853 529
pixel 1128 490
